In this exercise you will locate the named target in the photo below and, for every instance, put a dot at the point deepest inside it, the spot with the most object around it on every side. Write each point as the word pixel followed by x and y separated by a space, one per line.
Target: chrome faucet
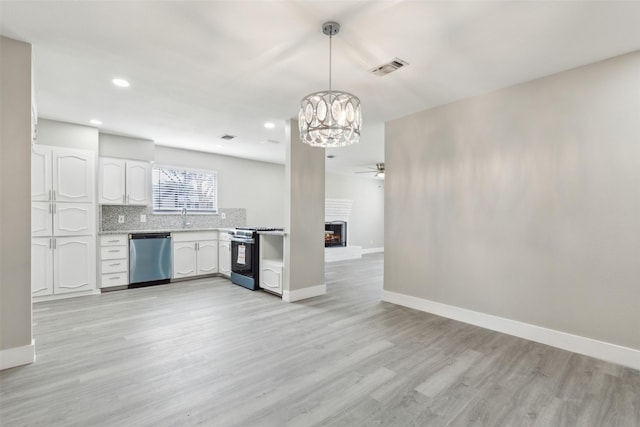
pixel 184 217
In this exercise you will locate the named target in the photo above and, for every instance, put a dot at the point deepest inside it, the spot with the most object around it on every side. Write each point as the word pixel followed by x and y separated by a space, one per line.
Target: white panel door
pixel 224 257
pixel 74 264
pixel 138 186
pixel 184 259
pixel 41 222
pixel 41 266
pixel 73 175
pixel 111 181
pixel 72 219
pixel 41 173
pixel 207 257
pixel 271 278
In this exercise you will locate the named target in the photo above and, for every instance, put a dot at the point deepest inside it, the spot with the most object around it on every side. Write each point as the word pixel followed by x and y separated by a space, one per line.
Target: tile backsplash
pixel 234 217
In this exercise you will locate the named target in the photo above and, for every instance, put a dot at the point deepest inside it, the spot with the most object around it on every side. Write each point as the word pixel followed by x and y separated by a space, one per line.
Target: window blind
pixel 176 188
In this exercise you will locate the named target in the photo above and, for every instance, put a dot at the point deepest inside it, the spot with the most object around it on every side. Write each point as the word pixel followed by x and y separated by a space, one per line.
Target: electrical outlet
pixel 223 215
pixel 143 218
pixel 121 219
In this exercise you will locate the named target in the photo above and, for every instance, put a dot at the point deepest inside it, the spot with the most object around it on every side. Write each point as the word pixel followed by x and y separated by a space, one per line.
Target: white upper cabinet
pixel 41 175
pixel 124 182
pixel 62 174
pixel 73 176
pixel 111 181
pixel 138 183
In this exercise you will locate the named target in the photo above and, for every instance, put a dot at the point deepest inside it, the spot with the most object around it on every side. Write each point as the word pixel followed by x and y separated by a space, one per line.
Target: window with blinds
pixel 176 188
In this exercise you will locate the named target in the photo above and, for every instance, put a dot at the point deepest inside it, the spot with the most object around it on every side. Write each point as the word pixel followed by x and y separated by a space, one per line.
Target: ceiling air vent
pixel 389 67
pixel 227 137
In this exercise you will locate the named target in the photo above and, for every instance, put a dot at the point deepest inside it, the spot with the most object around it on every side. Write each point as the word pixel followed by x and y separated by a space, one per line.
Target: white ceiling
pixel 202 69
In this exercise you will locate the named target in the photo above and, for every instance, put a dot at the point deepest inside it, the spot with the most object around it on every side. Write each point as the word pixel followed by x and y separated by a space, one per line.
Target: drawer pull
pixel 114 265
pixel 114 250
pixel 114 278
pixel 113 241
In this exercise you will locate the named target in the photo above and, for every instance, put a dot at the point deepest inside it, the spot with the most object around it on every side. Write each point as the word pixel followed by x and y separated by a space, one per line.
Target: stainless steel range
pixel 244 256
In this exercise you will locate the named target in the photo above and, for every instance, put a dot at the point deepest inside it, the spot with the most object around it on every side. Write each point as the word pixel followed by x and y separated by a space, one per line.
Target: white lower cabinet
pixel 224 254
pixel 41 266
pixel 194 253
pixel 184 259
pixel 114 260
pixel 271 276
pixel 62 265
pixel 73 264
pixel 207 257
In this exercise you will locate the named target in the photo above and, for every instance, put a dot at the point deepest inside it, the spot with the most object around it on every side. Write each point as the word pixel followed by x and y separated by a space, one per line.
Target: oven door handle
pixel 241 240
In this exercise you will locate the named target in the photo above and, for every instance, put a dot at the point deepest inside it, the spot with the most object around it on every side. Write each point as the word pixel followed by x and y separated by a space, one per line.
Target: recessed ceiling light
pixel 95 122
pixel 120 82
pixel 269 125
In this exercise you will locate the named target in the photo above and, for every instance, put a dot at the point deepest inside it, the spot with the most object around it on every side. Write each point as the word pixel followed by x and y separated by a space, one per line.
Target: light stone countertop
pixel 273 233
pixel 166 230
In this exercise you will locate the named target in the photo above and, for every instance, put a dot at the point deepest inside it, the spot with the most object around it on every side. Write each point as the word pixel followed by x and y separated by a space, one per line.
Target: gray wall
pixel 256 186
pixel 304 213
pixel 15 194
pixel 524 203
pixel 69 135
pixel 366 224
pixel 126 147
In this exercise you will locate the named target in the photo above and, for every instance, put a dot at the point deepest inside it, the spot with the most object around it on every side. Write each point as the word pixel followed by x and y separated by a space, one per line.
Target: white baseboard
pixel 372 250
pixel 65 296
pixel 17 356
pixel 342 253
pixel 300 294
pixel 599 349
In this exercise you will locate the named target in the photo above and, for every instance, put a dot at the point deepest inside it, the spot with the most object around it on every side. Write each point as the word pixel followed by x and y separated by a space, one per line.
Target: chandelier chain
pixel 330 39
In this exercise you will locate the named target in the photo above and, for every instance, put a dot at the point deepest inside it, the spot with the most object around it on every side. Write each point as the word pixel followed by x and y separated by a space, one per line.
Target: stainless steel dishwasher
pixel 149 259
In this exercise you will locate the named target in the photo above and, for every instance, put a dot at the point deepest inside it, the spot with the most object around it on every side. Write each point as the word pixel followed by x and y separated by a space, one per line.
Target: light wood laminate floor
pixel 211 353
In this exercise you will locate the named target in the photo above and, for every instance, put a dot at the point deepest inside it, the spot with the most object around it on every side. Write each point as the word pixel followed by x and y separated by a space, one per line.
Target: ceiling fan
pixel 378 170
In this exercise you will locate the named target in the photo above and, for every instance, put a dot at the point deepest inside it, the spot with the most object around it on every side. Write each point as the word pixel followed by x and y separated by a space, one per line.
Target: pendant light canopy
pixel 330 118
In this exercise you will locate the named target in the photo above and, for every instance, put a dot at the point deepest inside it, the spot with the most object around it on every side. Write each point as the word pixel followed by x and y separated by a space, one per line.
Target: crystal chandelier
pixel 329 118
